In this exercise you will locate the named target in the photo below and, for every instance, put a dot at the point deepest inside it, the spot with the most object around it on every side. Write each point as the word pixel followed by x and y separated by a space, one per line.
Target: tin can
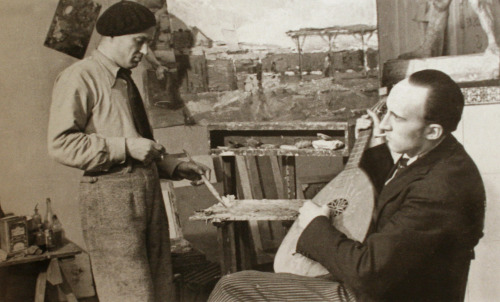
pixel 13 234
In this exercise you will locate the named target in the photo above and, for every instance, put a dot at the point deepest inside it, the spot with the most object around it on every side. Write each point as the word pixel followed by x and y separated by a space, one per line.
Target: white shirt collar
pixel 411 160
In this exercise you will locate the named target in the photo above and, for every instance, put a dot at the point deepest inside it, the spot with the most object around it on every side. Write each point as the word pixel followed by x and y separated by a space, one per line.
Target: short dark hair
pixel 445 101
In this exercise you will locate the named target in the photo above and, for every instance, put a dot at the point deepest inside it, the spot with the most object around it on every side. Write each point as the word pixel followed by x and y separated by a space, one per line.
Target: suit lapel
pixel 415 171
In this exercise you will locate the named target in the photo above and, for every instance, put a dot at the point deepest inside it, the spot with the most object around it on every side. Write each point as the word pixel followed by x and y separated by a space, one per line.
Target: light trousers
pixel 125 229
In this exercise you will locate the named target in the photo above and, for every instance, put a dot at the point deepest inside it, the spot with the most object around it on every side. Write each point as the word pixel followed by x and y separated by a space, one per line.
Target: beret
pixel 125 18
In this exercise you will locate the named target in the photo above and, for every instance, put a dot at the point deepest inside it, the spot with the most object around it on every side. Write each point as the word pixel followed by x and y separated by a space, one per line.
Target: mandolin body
pixel 350 195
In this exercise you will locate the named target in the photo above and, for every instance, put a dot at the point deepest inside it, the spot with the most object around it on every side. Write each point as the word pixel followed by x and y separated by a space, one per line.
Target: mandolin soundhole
pixel 338 206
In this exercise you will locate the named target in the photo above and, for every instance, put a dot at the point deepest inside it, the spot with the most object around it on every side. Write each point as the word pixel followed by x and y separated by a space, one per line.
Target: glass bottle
pixel 36 220
pixel 57 231
pixel 47 223
pixel 40 239
pixel 49 240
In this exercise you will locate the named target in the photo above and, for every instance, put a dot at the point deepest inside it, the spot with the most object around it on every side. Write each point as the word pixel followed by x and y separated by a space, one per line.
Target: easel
pixel 256 174
pixel 260 178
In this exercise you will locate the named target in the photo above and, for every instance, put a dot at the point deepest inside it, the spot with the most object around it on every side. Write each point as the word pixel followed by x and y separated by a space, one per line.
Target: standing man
pixel 258 70
pixel 428 216
pixel 98 124
pixel 327 66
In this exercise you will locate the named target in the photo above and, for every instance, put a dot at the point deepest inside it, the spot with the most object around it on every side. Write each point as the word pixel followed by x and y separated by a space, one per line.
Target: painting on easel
pixel 264 62
pixel 72 26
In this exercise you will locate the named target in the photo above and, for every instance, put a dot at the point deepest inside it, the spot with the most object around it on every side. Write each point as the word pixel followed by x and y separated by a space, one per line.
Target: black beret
pixel 125 18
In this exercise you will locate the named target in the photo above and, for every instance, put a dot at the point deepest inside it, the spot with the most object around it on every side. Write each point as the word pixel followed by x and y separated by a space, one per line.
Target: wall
pixel 479 132
pixel 26 77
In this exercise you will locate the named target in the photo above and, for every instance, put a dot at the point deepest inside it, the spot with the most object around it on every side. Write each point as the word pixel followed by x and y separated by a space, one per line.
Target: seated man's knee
pixel 234 277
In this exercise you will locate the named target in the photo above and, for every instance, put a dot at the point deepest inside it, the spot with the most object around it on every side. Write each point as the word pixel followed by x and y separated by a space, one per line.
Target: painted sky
pixel 266 21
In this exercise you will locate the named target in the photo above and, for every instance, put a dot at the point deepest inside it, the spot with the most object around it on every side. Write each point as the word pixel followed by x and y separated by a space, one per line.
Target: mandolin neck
pixel 358 149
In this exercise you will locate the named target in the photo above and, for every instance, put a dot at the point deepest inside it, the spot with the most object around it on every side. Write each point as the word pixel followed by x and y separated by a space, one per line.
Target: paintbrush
pixel 210 187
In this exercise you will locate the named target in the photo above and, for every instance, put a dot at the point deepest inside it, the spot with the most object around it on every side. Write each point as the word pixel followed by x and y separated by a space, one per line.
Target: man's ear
pixel 434 131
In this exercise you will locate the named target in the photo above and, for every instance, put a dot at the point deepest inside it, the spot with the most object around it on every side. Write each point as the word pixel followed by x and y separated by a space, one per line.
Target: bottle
pixel 47 223
pixel 36 220
pixel 57 231
pixel 40 239
pixel 49 240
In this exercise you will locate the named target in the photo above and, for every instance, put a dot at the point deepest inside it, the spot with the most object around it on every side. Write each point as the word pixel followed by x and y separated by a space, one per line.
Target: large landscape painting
pixel 276 60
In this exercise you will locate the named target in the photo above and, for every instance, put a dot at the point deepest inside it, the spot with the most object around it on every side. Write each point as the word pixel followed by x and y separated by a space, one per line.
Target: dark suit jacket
pixel 426 223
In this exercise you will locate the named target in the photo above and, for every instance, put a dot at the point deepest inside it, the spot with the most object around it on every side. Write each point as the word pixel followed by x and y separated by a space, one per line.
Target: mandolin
pixel 350 197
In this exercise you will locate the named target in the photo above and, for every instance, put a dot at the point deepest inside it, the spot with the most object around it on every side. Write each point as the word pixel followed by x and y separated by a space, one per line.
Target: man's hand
pixel 191 170
pixel 309 211
pixel 144 150
pixel 160 72
pixel 368 121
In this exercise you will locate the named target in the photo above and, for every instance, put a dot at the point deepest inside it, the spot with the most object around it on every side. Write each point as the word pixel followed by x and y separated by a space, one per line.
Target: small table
pixel 52 272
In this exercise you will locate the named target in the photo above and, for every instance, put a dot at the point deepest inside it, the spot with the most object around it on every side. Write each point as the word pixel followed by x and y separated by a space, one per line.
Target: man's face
pixel 404 122
pixel 129 49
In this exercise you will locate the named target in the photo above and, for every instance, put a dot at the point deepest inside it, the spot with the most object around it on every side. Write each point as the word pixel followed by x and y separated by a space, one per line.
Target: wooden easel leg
pixel 244 165
pixel 226 233
pixel 272 188
pixel 229 175
pixel 278 179
pixel 250 181
pixel 247 258
pixel 227 244
pixel 288 166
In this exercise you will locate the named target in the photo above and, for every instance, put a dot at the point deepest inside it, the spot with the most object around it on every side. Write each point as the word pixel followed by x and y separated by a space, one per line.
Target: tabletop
pixel 67 250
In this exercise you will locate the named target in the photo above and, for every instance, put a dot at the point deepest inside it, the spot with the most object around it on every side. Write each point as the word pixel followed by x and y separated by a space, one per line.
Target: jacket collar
pixel 415 171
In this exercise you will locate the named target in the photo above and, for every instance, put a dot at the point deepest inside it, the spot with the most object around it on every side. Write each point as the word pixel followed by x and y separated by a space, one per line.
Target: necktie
pixel 398 167
pixel 402 164
pixel 139 115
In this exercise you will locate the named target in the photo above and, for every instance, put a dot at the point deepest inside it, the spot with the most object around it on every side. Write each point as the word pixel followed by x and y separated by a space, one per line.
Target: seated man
pixel 427 219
